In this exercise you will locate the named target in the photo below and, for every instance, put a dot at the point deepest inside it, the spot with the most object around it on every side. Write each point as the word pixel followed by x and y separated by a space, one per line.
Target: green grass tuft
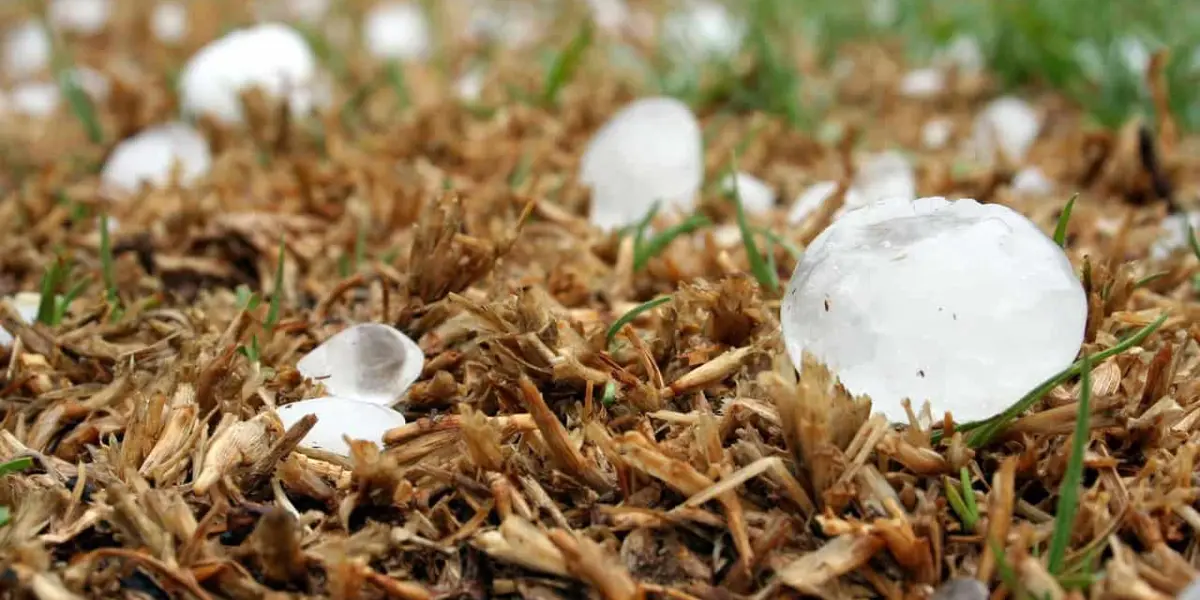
pixel 633 313
pixel 107 270
pixel 1068 495
pixel 1060 230
pixel 277 291
pixel 566 63
pixel 644 250
pixel 759 266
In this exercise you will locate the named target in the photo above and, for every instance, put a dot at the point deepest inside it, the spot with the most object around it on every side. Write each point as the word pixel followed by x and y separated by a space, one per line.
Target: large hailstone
pixel 271 56
pixel 26 49
pixel 27 304
pixel 1008 125
pixel 150 157
pixel 337 417
pixel 650 151
pixel 368 362
pixel 704 28
pixel 398 31
pixel 966 305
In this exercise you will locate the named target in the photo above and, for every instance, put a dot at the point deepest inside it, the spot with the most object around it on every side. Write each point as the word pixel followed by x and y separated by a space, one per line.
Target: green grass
pixel 759 266
pixel 645 249
pixel 633 313
pixel 12 466
pixel 107 270
pixel 1060 230
pixel 276 305
pixel 564 66
pixel 1068 494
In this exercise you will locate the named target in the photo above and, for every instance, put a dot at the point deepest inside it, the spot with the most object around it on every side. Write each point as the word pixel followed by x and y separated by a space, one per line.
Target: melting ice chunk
pixel 368 362
pixel 151 155
pixel 1031 181
pixel 965 305
pixel 923 83
pixel 1008 125
pixel 704 28
pixel 26 304
pixel 398 30
pixel 337 417
pixel 272 57
pixel 757 197
pixel 649 151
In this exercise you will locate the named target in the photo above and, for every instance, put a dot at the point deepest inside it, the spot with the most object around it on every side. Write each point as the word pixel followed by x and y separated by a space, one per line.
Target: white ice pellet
pixel 35 98
pixel 650 151
pixel 151 155
pixel 1174 234
pixel 338 417
pixel 1134 53
pixel 936 132
pixel 169 21
pixel 703 28
pixel 609 15
pixel 809 200
pixel 398 30
pixel 966 305
pixel 26 49
pixel 1031 181
pixel 80 16
pixel 881 176
pixel 469 86
pixel 27 304
pixel 368 362
pixel 757 197
pixel 511 24
pixel 923 83
pixel 1008 125
pixel 271 57
pixel 963 52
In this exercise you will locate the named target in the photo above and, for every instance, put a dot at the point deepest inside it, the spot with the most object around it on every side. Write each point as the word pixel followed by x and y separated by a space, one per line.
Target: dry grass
pixel 161 471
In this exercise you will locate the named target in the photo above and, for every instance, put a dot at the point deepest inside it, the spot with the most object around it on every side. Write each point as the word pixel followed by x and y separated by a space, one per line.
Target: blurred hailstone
pixel 34 98
pixel 936 132
pixel 925 299
pixel 1031 181
pixel 1007 126
pixel 398 30
pixel 80 16
pixel 810 200
pixel 368 362
pixel 880 176
pixel 757 197
pixel 169 21
pixel 26 49
pixel 305 11
pixel 469 86
pixel 704 28
pixel 271 57
pixel 511 24
pixel 150 157
pixel 650 151
pixel 1174 234
pixel 26 304
pixel 338 417
pixel 923 83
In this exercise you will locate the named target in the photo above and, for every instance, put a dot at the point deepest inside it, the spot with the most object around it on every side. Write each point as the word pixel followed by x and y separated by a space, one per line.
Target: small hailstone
pixel 26 49
pixel 961 588
pixel 881 176
pixel 1174 235
pixel 923 83
pixel 883 13
pixel 609 15
pixel 469 86
pixel 169 22
pixel 35 98
pixel 1032 181
pixel 757 197
pixel 964 53
pixel 809 200
pixel 150 157
pixel 935 134
pixel 337 417
pixel 705 28
pixel 26 304
pixel 398 30
pixel 368 362
pixel 966 305
pixel 511 24
pixel 1009 125
pixel 1135 54
pixel 94 83
pixel 272 57
pixel 651 150
pixel 727 235
pixel 82 16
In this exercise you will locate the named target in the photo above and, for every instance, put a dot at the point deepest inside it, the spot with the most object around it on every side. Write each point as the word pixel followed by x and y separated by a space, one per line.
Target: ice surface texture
pixel 337 417
pixel 369 362
pixel 649 151
pixel 966 305
pixel 151 155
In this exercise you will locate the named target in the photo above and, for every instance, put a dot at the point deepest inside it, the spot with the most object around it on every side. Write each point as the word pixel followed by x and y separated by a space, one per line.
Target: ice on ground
pixel 1191 592
pixel 966 305
pixel 1174 234
pixel 151 155
pixel 469 86
pixel 35 98
pixel 81 16
pixel 757 197
pixel 964 53
pixel 338 417
pixel 703 28
pixel 369 362
pixel 272 57
pixel 512 24
pixel 169 22
pixel 1008 125
pixel 26 304
pixel 26 49
pixel 398 31
pixel 923 83
pixel 650 151
pixel 810 200
pixel 879 177
pixel 1031 181
pixel 936 132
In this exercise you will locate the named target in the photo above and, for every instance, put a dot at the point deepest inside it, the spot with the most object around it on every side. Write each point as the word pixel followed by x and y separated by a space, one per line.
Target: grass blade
pixel 15 465
pixel 1060 230
pixel 778 239
pixel 985 430
pixel 61 306
pixel 276 291
pixel 655 245
pixel 633 313
pixel 1068 494
pixel 395 77
pixel 1193 243
pixel 566 63
pixel 52 280
pixel 106 268
pixel 968 492
pixel 758 265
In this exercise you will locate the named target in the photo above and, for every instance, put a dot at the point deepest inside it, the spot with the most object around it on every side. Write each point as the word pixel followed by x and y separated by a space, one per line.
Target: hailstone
pixel 169 21
pixel 26 49
pixel 757 197
pixel 82 16
pixel 272 57
pixel 151 155
pixel 704 28
pixel 936 132
pixel 35 98
pixel 650 151
pixel 810 200
pixel 923 83
pixel 1008 125
pixel 398 30
pixel 1174 234
pixel 369 362
pixel 966 305
pixel 337 417
pixel 1031 181
pixel 27 304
